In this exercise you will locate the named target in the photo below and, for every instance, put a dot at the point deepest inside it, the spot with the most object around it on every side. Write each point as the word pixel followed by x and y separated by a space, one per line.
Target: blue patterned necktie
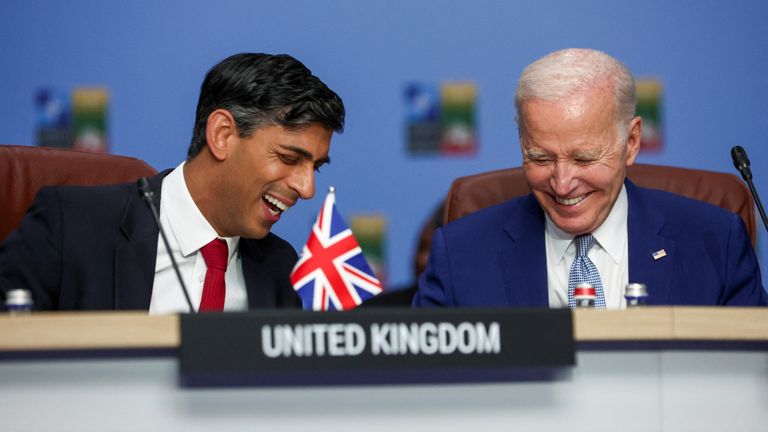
pixel 584 270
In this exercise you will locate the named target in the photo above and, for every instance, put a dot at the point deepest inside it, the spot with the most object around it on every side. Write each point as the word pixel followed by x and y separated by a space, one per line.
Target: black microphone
pixel 148 196
pixel 741 162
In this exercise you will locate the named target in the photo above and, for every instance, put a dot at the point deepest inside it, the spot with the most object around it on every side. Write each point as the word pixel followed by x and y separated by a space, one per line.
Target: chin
pixel 570 230
pixel 254 232
pixel 572 227
pixel 259 234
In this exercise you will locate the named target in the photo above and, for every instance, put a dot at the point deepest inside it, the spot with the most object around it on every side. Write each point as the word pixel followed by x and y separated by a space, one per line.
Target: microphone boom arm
pixel 148 196
pixel 757 202
pixel 741 162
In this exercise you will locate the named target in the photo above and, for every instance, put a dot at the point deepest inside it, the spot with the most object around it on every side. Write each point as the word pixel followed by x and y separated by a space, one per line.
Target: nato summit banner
pixel 373 345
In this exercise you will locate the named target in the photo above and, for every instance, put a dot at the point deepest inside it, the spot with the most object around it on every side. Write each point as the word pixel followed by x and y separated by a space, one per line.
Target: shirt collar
pixel 610 235
pixel 188 225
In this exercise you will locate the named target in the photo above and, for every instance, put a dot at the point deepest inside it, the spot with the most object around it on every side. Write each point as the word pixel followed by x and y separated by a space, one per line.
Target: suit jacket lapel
pixel 259 294
pixel 135 259
pixel 524 262
pixel 645 236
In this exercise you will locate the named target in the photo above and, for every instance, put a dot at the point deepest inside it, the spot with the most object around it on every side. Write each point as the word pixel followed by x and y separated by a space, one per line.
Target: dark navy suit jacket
pixel 94 248
pixel 497 257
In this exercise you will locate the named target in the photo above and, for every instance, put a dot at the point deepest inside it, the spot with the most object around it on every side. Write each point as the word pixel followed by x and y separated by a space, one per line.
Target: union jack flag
pixel 332 273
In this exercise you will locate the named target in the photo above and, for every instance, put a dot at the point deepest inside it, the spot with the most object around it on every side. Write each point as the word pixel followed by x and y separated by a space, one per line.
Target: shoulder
pixel 101 197
pixel 271 248
pixel 87 194
pixel 681 217
pixel 494 225
pixel 521 211
pixel 499 214
pixel 275 242
pixel 75 203
pixel 680 207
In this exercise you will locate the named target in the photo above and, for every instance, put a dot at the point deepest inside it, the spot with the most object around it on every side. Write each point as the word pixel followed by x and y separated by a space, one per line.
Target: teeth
pixel 571 201
pixel 277 203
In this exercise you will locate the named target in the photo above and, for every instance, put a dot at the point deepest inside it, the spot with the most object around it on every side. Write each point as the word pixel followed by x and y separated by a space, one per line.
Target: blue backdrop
pixel 152 55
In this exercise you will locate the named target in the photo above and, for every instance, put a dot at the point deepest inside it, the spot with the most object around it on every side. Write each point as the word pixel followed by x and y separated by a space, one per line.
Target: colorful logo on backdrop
pixel 441 119
pixel 371 231
pixel 53 117
pixel 649 107
pixel 77 120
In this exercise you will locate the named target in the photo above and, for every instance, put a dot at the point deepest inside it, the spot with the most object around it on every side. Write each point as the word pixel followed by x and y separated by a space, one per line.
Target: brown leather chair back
pixel 472 193
pixel 24 170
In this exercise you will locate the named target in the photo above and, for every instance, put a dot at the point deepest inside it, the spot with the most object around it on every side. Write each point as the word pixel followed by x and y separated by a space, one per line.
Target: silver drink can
pixel 584 295
pixel 18 301
pixel 636 295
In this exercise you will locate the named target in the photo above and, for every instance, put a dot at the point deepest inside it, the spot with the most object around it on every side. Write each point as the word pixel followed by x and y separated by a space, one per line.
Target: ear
pixel 633 139
pixel 220 130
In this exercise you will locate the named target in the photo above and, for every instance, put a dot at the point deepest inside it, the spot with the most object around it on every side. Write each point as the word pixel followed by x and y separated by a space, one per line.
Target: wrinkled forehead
pixel 573 126
pixel 573 107
pixel 580 109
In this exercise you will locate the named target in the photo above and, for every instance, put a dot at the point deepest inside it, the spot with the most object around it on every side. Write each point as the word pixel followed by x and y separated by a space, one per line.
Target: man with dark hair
pixel 263 127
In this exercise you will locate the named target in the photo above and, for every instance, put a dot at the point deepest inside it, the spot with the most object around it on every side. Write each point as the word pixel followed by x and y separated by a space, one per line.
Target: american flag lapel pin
pixel 659 254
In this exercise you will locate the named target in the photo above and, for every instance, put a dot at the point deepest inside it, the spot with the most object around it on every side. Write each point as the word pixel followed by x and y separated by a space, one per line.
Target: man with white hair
pixel 584 221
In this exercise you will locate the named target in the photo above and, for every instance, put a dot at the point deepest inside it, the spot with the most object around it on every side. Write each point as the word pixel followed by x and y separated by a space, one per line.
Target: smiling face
pixel 574 159
pixel 261 176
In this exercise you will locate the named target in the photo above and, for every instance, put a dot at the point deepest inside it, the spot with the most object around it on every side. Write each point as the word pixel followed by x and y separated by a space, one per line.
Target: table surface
pixel 107 330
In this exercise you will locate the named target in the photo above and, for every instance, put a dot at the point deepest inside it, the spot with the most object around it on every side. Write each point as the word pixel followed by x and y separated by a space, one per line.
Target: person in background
pixel 263 127
pixel 584 221
pixel 404 296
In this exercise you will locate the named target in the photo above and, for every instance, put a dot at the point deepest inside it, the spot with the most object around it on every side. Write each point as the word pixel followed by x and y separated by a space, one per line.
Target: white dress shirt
pixel 609 254
pixel 188 231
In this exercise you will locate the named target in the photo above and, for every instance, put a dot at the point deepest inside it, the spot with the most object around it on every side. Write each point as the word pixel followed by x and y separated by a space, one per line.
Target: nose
pixel 563 180
pixel 303 182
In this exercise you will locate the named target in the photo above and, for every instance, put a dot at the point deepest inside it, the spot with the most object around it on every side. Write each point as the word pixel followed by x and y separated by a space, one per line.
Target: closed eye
pixel 288 160
pixel 292 155
pixel 540 160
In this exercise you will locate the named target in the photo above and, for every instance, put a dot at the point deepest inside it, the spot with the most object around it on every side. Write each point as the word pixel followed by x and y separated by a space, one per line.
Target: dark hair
pixel 265 90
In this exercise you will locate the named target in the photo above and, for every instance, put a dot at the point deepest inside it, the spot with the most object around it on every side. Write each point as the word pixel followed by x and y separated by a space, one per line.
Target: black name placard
pixel 292 346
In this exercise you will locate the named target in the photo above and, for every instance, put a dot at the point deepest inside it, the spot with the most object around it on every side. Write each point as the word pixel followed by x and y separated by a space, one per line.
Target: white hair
pixel 575 71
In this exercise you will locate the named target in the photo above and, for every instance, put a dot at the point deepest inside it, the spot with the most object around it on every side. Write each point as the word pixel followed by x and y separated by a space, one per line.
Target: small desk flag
pixel 332 273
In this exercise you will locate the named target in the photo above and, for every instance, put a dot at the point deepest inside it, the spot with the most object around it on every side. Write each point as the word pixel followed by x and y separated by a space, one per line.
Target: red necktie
pixel 216 256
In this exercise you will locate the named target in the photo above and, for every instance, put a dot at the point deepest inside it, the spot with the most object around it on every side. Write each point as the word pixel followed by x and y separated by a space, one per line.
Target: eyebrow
pixel 305 154
pixel 595 153
pixel 533 154
pixel 590 153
